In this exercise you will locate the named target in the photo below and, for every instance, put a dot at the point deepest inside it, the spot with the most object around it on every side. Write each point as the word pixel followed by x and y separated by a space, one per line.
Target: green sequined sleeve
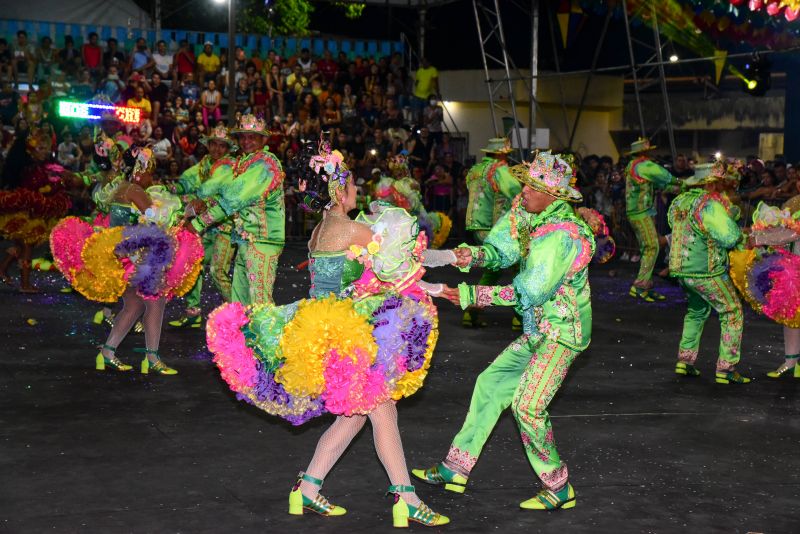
pixel 486 296
pixel 500 250
pixel 655 173
pixel 188 182
pixel 550 260
pixel 719 225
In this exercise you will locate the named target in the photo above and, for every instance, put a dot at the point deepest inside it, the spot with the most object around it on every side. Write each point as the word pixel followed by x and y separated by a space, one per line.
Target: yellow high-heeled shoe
pixel 784 368
pixel 402 512
pixel 100 361
pixel 159 367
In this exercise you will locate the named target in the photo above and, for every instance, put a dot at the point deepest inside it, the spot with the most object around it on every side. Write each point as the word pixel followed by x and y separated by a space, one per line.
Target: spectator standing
pixel 210 100
pixel 23 53
pixel 420 149
pixel 260 98
pixel 159 95
pixel 92 57
pixel 433 119
pixel 68 153
pixel 208 63
pixel 296 84
pixel 440 190
pixel 426 83
pixel 46 59
pixel 184 62
pixel 113 56
pixel 331 116
pixel 69 58
pixel 163 60
pixel 276 88
pixel 141 59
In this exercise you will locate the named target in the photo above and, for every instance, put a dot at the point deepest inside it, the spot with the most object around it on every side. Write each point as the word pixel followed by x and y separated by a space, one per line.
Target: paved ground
pixel 88 452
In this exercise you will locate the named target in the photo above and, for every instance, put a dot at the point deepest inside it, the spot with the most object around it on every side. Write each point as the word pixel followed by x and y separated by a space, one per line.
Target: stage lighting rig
pixel 757 76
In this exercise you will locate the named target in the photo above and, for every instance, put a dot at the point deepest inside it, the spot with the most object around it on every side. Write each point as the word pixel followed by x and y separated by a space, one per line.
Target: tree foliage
pixel 284 17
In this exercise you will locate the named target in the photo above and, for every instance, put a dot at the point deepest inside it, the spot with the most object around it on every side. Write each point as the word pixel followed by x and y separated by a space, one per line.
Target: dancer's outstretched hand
pixel 463 257
pixel 451 294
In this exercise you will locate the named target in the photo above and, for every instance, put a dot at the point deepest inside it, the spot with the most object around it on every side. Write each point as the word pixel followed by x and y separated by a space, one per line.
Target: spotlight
pixel 673 58
pixel 373 152
pixel 756 78
pixel 718 155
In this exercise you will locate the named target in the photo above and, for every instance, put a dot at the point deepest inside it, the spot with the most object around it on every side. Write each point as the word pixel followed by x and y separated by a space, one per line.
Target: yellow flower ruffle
pixel 103 279
pixel 19 226
pixel 319 328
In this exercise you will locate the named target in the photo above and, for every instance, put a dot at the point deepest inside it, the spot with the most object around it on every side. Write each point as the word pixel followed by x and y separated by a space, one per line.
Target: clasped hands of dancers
pixel 302 360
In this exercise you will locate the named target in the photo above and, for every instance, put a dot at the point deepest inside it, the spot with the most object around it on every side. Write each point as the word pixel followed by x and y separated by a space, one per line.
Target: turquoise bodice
pixel 331 272
pixel 122 215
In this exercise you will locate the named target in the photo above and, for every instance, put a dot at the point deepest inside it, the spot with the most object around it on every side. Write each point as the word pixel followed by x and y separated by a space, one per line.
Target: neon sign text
pixel 81 110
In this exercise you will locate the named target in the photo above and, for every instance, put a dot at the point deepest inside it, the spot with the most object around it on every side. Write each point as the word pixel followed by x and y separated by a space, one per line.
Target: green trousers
pixel 526 376
pixel 705 294
pixel 218 256
pixel 254 273
pixel 646 234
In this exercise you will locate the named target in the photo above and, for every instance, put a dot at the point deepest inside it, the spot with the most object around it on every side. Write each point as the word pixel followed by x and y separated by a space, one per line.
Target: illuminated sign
pixel 81 110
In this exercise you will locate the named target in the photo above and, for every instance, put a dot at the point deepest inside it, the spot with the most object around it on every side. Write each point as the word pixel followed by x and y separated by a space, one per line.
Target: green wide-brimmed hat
pixel 218 133
pixel 251 124
pixel 498 145
pixel 549 173
pixel 640 145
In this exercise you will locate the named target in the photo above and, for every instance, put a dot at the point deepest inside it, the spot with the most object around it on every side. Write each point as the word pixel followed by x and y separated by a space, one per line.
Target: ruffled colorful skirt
pixel 440 227
pixel 101 263
pixel 316 356
pixel 29 216
pixel 770 282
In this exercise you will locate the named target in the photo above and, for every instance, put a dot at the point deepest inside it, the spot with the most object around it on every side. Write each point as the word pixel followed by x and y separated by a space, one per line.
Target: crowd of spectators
pixel 372 108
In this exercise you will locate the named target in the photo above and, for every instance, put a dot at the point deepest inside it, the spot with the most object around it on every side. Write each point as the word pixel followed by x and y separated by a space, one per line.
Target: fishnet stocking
pixel 791 342
pixel 387 444
pixel 133 307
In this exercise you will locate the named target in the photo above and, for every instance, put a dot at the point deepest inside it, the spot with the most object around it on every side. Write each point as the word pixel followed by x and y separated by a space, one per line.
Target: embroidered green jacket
pixel 253 197
pixel 491 190
pixel 552 290
pixel 642 178
pixel 704 229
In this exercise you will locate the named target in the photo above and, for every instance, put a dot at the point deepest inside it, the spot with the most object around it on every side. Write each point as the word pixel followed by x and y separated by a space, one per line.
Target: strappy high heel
pixel 158 367
pixel 402 512
pixel 101 361
pixel 319 504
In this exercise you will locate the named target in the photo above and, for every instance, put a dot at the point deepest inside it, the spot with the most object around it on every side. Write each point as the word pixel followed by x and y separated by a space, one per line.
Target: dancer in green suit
pixel 491 191
pixel 642 177
pixel 254 201
pixel 554 246
pixel 202 181
pixel 704 229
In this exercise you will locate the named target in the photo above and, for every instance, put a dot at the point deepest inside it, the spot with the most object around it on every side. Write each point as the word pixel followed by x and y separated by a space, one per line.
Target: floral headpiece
pixel 218 133
pixel 330 165
pixel 398 166
pixel 549 173
pixel 251 124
